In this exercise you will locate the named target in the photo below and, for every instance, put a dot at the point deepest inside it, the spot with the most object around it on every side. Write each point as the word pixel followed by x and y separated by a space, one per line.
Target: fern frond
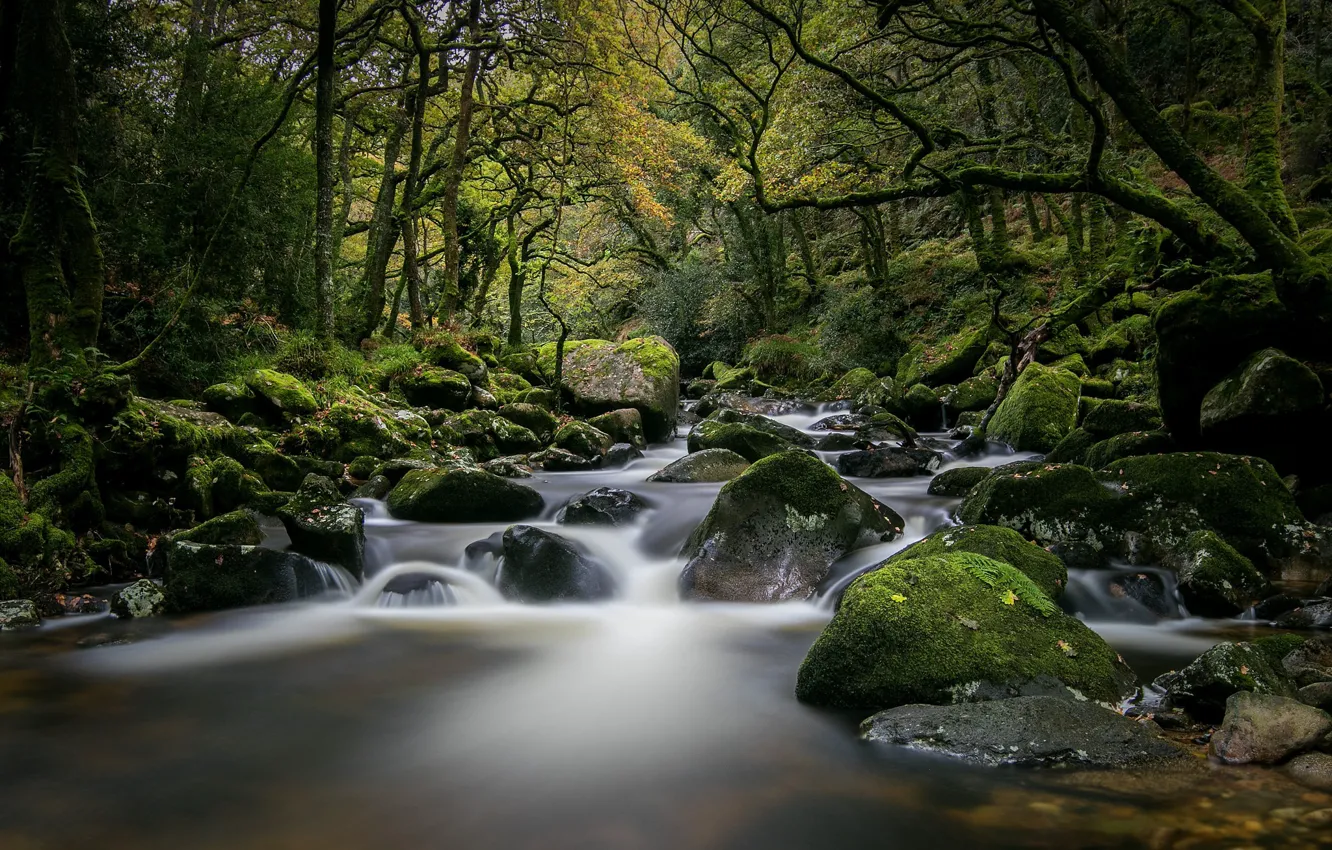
pixel 1004 576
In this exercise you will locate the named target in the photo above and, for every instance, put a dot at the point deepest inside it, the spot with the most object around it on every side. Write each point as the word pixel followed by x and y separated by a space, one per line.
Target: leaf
pixel 897 597
pixel 1008 597
pixel 1001 575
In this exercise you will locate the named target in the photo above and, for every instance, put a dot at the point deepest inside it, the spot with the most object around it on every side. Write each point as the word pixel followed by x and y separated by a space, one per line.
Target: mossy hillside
pixel 947 629
pixel 1040 409
pixel 999 544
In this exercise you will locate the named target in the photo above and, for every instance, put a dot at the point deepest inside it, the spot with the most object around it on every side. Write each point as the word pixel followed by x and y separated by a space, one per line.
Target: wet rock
pixel 377 488
pixel 1314 614
pixel 1214 579
pixel 840 422
pixel 1266 729
pixel 1269 393
pixel 534 418
pixel 953 628
pixel 323 526
pixel 749 442
pixel 793 436
pixel 1039 410
pixel 143 598
pixel 544 567
pixel 1313 770
pixel 212 578
pixel 1132 444
pixel 884 426
pixel 1031 731
pixel 18 614
pixel 508 467
pixel 1274 606
pixel 620 454
pixel 1001 544
pixel 555 459
pixel 583 440
pixel 1148 589
pixel 702 467
pixel 602 376
pixel 1203 687
pixel 775 530
pixel 1318 694
pixel 879 463
pixel 461 495
pixel 238 528
pixel 699 387
pixel 1108 417
pixel 957 482
pixel 623 426
pixel 602 506
pixel 838 442
pixel 1309 662
pixel 484 399
pixel 436 388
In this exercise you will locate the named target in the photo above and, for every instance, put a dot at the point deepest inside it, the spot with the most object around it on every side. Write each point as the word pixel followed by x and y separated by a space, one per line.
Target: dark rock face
pixel 1266 729
pixel 1267 394
pixel 701 467
pixel 324 526
pixel 602 506
pixel 544 567
pixel 880 463
pixel 1203 687
pixel 1032 731
pixel 461 494
pixel 775 530
pixel 203 577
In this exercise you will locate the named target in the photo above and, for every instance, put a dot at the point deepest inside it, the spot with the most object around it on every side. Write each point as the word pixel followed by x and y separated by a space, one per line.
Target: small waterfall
pixel 459 587
pixel 1124 594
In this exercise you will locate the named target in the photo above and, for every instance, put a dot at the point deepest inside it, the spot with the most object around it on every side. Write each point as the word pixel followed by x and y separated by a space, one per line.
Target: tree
pixel 325 166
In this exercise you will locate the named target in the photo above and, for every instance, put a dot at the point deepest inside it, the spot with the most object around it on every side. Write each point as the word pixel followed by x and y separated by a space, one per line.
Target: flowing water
pixel 421 710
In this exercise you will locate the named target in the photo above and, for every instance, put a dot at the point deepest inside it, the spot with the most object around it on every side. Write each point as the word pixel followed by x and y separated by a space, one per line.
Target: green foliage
pixel 304 356
pixel 859 328
pixel 1006 578
pixel 783 359
pixel 698 313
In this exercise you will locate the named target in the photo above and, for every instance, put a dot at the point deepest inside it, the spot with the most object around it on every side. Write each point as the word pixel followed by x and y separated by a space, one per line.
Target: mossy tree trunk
pixel 382 235
pixel 453 175
pixel 324 170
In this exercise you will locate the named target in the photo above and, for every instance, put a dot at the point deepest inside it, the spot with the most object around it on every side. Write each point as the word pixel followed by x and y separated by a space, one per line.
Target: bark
pixel 324 171
pixel 382 235
pixel 410 188
pixel 1033 217
pixel 1262 163
pixel 806 251
pixel 345 178
pixel 457 163
pixel 489 271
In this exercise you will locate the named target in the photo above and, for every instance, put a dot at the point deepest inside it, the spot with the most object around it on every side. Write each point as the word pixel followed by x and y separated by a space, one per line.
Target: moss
pixel 1109 417
pixel 891 424
pixel 957 482
pixel 1001 544
pixel 444 351
pixel 232 400
pixel 1202 687
pixel 931 630
pixel 850 385
pixel 1132 444
pixel 238 528
pixel 730 379
pixel 512 438
pixel 365 430
pixel 976 393
pixel 1214 579
pixel 507 386
pixel 1097 388
pixel 747 441
pixel 436 387
pixel 1073 448
pixel 623 426
pixel 461 494
pixel 583 439
pixel 283 393
pixel 536 419
pixel 655 355
pixel 211 578
pixel 601 376
pixel 1039 409
pixel 1066 343
pixel 950 361
pixel 1125 340
pixel 539 396
pixel 277 470
pixel 922 408
pixel 1051 503
pixel 1073 363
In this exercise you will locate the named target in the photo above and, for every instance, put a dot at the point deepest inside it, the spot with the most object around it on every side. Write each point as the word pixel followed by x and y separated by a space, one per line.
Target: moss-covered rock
pixel 1203 687
pixel 1214 579
pixel 278 471
pixel 9 587
pixel 1132 444
pixel 323 526
pixel 232 400
pixel 461 494
pixel 975 393
pixel 923 408
pixel 623 426
pixel 583 439
pixel 1039 410
pixel 699 387
pixel 947 362
pixel 954 628
pixel 41 557
pixel 601 376
pixel 512 438
pixel 1266 395
pixel 1073 448
pixel 957 482
pixel 445 352
pixel 535 418
pixel 775 530
pixel 884 426
pixel 18 614
pixel 202 577
pixel 366 430
pixel 1124 340
pixel 280 393
pixel 238 528
pixel 540 396
pixel 862 387
pixel 732 378
pixel 141 599
pixel 747 441
pixel 436 387
pixel 1108 417
pixel 1000 544
pixel 701 467
pixel 1097 388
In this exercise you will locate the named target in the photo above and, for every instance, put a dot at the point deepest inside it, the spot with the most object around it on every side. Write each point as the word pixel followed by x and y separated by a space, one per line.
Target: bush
pixel 783 358
pixel 301 354
pixel 698 313
pixel 859 329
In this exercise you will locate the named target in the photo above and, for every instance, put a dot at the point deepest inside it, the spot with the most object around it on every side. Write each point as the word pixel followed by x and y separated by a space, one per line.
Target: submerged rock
pixel 602 506
pixel 774 532
pixel 143 598
pixel 1031 731
pixel 1266 729
pixel 701 467
pixel 461 494
pixel 544 567
pixel 954 628
pixel 1039 410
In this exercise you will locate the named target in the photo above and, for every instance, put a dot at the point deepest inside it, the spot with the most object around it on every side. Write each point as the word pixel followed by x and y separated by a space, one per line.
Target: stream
pixel 421 710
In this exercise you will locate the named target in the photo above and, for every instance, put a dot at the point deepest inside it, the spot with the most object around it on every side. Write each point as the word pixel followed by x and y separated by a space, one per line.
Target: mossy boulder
pixel 775 530
pixel 732 378
pixel 238 528
pixel 957 482
pixel 975 393
pixel 623 426
pixel 324 526
pixel 280 393
pixel 1214 579
pixel 1040 409
pixel 793 436
pixel 150 438
pixel 141 599
pixel 277 470
pixel 365 430
pixel 436 387
pixel 947 362
pixel 203 577
pixel 601 376
pixel 1203 686
pixel 461 494
pixel 923 408
pixel 232 400
pixel 1132 444
pixel 544 567
pixel 1124 340
pixel 507 386
pixel 1267 395
pixel 534 418
pixel 540 396
pixel 1000 544
pixel 745 440
pixel 862 387
pixel 954 628
pixel 702 467
pixel 475 430
pixel 1108 417
pixel 41 556
pixel 1073 448
pixel 583 439
pixel 512 438
pixel 884 426
pixel 18 614
pixel 446 353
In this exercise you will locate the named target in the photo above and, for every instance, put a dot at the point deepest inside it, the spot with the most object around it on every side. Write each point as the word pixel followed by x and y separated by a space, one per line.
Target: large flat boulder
pixel 602 376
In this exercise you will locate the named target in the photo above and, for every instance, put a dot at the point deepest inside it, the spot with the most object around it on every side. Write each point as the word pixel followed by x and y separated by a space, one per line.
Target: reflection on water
pixel 472 723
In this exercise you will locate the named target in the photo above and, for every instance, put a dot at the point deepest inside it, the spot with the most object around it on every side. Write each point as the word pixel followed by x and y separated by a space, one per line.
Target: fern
pixel 1002 576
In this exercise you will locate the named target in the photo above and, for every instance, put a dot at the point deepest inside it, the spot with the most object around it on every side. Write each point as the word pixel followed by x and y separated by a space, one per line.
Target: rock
pixel 1125 340
pixel 973 394
pixel 1313 770
pixel 841 422
pixel 539 396
pixel 747 441
pixel 702 467
pixel 840 442
pixel 620 454
pixel 324 526
pixel 18 614
pixel 202 577
pixel 861 386
pixel 623 426
pixel 1203 687
pixel 922 408
pixel 484 399
pixel 1029 731
pixel 1266 729
pixel 880 463
pixel 508 467
pixel 885 426
pixel 699 387
pixel 957 482
pixel 1073 448
pixel 1001 544
pixel 954 628
pixel 1039 410
pixel 436 388
pixel 952 360
pixel 238 528
pixel 555 459
pixel 461 495
pixel 1318 694
pixel 775 530
pixel 602 506
pixel 1309 662
pixel 534 418
pixel 1108 417
pixel 512 438
pixel 232 400
pixel 602 376
pixel 281 393
pixel 1267 394
pixel 367 431
pixel 1132 444
pixel 445 352
pixel 1214 579
pixel 1313 614
pixel 583 439
pixel 376 488
pixel 793 436
pixel 544 567
pixel 143 598
pixel 744 404
pixel 507 386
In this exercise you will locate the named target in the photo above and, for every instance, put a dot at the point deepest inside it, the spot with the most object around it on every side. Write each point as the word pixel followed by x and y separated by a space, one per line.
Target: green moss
pixel 436 387
pixel 583 439
pixel 1214 579
pixel 937 630
pixel 238 528
pixel 507 386
pixel 850 385
pixel 1039 410
pixel 1132 444
pixel 204 577
pixel 976 393
pixel 1073 448
pixel 957 482
pixel 745 440
pixel 949 361
pixel 1051 503
pixel 1097 388
pixel 623 426
pixel 461 494
pixel 1073 363
pixel 1125 340
pixel 232 400
pixel 284 393
pixel 1000 544
pixel 1106 418
pixel 655 355
pixel 536 419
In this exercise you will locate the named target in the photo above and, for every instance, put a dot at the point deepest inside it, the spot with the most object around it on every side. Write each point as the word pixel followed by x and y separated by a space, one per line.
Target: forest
pixel 985 344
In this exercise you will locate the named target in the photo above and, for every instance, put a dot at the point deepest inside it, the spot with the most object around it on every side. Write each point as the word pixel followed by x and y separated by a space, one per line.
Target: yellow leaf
pixel 897 597
pixel 1009 598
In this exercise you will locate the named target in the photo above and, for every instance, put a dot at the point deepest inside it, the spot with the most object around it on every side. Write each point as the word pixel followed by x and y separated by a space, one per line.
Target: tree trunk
pixel 324 171
pixel 1033 217
pixel 407 215
pixel 1262 162
pixel 382 235
pixel 345 178
pixel 453 176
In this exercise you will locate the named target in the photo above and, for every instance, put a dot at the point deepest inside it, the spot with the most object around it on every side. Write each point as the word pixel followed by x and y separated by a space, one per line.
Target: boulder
pixel 1040 409
pixel 1108 417
pixel 623 426
pixel 1214 579
pixel 534 418
pixel 16 614
pixel 745 440
pixel 881 463
pixel 602 376
pixel 1318 694
pixel 1000 544
pixel 923 408
pixel 947 362
pixel 1266 395
pixel 1073 448
pixel 1030 731
pixel 954 628
pixel 143 598
pixel 862 387
pixel 436 388
pixel 543 567
pixel 445 352
pixel 281 393
pixel 204 577
pixel 793 436
pixel 231 399
pixel 323 526
pixel 705 466
pixel 620 454
pixel 511 438
pixel 775 530
pixel 602 506
pixel 1266 729
pixel 841 422
pixel 555 459
pixel 1132 444
pixel 461 494
pixel 367 431
pixel 975 393
pixel 884 426
pixel 1313 770
pixel 238 528
pixel 1203 687
pixel 958 481
pixel 583 439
